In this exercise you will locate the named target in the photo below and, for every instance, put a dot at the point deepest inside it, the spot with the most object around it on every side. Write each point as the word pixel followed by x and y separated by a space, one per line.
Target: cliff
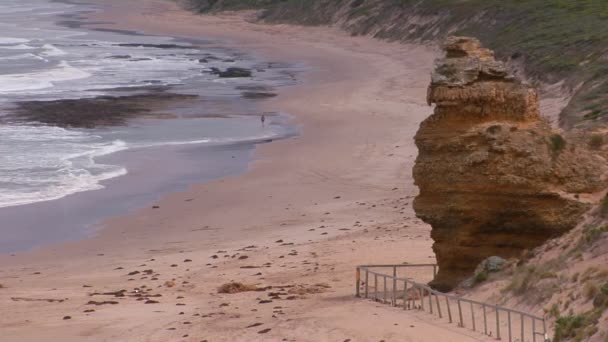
pixel 494 178
pixel 549 40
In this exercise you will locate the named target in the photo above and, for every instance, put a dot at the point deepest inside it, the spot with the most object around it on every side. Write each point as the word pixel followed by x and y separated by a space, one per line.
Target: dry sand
pixel 337 196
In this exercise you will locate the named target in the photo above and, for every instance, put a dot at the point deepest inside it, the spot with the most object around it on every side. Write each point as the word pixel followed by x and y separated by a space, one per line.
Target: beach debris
pixel 303 289
pixel 236 287
pixel 169 283
pixel 67 317
pixel 48 300
pixel 264 331
pixel 232 72
pixel 254 325
pixel 120 293
pixel 105 302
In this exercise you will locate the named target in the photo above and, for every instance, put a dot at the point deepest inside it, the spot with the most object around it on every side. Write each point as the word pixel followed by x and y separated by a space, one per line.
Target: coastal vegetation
pixel 549 40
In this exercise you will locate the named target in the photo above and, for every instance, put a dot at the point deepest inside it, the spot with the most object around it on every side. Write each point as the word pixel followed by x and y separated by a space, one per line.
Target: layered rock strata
pixel 494 178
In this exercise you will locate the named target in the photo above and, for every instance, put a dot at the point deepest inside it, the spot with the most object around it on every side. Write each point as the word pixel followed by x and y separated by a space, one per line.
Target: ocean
pixel 48 54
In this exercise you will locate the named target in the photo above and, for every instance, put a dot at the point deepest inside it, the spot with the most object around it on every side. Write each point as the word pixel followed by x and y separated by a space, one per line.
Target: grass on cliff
pixel 580 327
pixel 555 39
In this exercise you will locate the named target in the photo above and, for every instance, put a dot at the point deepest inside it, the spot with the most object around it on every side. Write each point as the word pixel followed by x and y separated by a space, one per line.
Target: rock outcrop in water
pixel 494 178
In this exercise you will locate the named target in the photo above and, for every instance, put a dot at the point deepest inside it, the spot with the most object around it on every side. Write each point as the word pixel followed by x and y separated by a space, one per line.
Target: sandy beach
pixel 308 210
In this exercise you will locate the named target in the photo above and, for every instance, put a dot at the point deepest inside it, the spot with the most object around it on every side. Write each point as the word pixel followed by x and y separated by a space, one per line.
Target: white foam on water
pixel 12 41
pixel 19 47
pixel 41 80
pixel 52 50
pixel 22 56
pixel 41 163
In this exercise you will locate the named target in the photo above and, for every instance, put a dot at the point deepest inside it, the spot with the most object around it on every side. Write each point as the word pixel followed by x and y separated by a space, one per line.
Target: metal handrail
pixel 423 290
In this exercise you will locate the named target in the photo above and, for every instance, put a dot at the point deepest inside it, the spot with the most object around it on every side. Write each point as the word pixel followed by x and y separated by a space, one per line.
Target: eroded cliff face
pixel 494 178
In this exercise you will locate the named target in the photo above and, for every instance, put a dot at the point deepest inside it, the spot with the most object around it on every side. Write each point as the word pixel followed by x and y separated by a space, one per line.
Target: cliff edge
pixel 494 178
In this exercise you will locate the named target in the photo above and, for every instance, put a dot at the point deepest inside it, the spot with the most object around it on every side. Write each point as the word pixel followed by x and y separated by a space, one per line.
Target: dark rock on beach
pixel 256 92
pixel 93 112
pixel 236 72
pixel 232 72
pixel 255 95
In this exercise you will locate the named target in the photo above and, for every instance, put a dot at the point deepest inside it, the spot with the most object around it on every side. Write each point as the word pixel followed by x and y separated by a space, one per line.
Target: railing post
pixel 376 287
pixel 405 301
pixel 438 306
pixel 434 271
pixel 473 316
pixel 384 300
pixel 394 294
pixel 509 321
pixel 522 327
pixel 533 329
pixel 358 282
pixel 421 298
pixel 460 314
pixel 485 320
pixel 430 301
pixel 447 302
pixel 497 323
pixel 366 283
pixel 544 330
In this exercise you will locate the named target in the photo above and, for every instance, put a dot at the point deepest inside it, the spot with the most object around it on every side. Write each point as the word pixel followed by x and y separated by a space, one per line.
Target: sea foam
pixel 41 80
pixel 53 163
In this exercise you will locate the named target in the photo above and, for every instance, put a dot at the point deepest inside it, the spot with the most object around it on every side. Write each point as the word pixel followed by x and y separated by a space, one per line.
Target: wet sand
pixel 308 210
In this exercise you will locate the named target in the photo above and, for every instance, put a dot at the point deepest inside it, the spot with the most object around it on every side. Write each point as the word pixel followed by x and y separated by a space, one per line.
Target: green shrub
pixel 590 235
pixel 577 327
pixel 557 143
pixel 596 141
pixel 554 310
pixel 567 327
pixel 481 277
pixel 604 288
pixel 604 207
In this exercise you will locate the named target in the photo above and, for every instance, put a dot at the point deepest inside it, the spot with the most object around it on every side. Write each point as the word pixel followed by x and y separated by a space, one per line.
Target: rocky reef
pixel 494 178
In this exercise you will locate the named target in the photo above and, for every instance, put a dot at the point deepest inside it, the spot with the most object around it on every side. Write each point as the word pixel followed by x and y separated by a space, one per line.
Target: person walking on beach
pixel 263 119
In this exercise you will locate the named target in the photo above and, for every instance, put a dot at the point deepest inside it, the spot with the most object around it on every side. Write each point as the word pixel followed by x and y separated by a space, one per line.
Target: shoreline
pixel 165 112
pixel 306 211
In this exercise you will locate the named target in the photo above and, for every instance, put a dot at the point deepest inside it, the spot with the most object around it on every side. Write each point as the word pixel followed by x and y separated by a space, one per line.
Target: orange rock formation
pixel 494 178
